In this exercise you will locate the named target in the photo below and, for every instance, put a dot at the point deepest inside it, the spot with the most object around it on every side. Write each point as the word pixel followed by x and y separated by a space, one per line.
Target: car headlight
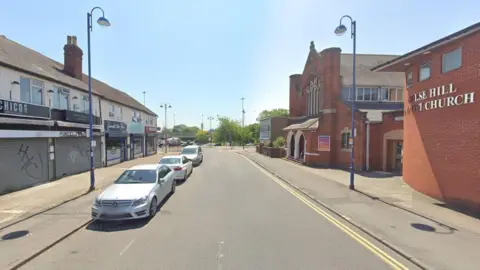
pixel 140 201
pixel 97 202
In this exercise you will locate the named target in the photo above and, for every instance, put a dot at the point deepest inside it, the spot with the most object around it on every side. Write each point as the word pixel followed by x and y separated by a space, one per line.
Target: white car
pixel 181 166
pixel 135 194
pixel 193 153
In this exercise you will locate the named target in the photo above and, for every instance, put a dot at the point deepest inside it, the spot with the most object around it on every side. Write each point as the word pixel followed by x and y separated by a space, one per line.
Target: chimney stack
pixel 73 58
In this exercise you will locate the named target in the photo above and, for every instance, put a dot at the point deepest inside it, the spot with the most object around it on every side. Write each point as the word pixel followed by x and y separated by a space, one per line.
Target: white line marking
pixel 220 255
pixel 125 249
pixel 11 211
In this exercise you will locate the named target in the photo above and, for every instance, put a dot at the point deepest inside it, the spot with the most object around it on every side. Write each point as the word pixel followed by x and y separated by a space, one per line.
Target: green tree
pixel 202 136
pixel 227 128
pixel 254 130
pixel 272 113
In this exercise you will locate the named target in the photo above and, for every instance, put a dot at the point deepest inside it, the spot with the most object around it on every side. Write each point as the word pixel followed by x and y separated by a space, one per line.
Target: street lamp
pixel 340 30
pixel 103 22
pixel 166 106
pixel 243 124
pixel 210 118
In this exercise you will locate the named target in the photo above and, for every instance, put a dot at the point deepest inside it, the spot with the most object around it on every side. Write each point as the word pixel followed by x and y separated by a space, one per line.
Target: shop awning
pixel 376 115
pixel 310 124
pixel 8 120
pixel 78 125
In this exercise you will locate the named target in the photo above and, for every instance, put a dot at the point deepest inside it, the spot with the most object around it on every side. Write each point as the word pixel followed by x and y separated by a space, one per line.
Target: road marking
pixel 125 249
pixel 220 255
pixel 360 239
pixel 12 211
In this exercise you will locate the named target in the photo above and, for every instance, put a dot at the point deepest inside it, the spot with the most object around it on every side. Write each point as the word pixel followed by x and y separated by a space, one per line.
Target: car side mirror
pixel 161 180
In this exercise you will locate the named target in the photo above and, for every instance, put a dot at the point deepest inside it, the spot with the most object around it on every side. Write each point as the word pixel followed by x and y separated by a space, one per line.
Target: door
pixel 23 163
pixel 394 155
pixel 186 166
pixel 398 156
pixel 72 156
pixel 165 186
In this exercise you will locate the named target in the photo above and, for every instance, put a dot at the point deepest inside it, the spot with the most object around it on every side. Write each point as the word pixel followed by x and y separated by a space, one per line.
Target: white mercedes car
pixel 181 166
pixel 135 194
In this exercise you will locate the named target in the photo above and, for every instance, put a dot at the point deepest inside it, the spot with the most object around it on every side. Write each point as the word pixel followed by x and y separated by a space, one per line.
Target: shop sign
pixel 72 134
pixel 15 108
pixel 115 126
pixel 136 128
pixel 439 97
pixel 77 117
pixel 150 130
pixel 324 143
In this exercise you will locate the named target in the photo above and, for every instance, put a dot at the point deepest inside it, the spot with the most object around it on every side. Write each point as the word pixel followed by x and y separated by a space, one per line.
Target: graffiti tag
pixel 32 164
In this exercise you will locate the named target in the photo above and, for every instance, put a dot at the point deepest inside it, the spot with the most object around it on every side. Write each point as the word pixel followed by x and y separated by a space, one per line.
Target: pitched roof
pixel 21 58
pixel 364 75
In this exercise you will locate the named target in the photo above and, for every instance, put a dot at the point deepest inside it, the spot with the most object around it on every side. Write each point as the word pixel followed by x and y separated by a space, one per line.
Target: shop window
pixel 346 135
pixel 452 60
pixel 424 72
pixel 409 79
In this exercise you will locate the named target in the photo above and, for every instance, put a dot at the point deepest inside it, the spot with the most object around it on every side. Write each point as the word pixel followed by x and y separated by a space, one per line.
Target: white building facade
pixel 44 117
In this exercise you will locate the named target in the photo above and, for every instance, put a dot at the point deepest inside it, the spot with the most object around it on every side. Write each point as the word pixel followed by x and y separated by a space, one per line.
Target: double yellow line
pixel 360 239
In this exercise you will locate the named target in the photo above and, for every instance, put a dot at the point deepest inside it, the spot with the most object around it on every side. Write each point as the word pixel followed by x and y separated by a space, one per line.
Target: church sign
pixel 439 97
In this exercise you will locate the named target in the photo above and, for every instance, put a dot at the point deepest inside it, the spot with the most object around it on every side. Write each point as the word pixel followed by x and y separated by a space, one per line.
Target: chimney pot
pixel 74 40
pixel 69 40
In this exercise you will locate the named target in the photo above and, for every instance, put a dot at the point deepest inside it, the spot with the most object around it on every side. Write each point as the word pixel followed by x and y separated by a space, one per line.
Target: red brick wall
pixel 442 146
pixel 295 108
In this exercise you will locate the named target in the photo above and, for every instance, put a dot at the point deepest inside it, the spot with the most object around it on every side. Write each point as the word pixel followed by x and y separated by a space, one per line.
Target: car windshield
pixel 170 161
pixel 137 177
pixel 189 151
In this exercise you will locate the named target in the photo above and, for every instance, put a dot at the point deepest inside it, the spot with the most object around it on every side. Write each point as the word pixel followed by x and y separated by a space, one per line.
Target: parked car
pixel 135 194
pixel 218 144
pixel 193 153
pixel 181 166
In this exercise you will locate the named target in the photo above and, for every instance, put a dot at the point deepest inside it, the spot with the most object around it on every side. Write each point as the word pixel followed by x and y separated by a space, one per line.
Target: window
pixel 346 140
pixel 359 94
pixel 367 94
pixel 84 104
pixel 452 60
pixel 424 72
pixel 409 79
pixel 31 91
pixel 61 98
pixel 375 94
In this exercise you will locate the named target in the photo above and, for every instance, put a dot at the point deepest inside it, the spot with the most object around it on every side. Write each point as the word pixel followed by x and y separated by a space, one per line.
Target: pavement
pixel 21 204
pixel 229 214
pixel 390 216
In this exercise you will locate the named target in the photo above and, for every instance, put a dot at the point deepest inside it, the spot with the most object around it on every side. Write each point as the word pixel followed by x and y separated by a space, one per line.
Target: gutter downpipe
pixel 368 146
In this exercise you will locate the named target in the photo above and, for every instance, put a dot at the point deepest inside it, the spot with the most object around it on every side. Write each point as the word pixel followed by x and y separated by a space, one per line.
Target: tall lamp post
pixel 166 106
pixel 243 124
pixel 210 130
pixel 144 92
pixel 340 30
pixel 103 22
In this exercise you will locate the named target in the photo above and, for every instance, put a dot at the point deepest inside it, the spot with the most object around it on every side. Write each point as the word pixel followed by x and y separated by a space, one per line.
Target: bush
pixel 279 142
pixel 270 144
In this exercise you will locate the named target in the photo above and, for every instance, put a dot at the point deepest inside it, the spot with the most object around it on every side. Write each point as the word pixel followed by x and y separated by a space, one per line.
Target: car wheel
pixel 174 185
pixel 153 207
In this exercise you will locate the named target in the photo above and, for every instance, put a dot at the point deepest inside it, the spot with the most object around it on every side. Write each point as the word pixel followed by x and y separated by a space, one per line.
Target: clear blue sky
pixel 203 56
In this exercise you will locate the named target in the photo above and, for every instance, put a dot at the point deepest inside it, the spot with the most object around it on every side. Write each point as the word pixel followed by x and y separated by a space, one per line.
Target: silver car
pixel 181 166
pixel 193 153
pixel 135 194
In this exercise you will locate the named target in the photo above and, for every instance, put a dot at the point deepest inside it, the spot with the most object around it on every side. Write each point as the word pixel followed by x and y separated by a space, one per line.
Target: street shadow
pixel 124 225
pixel 428 228
pixel 15 235
pixel 463 210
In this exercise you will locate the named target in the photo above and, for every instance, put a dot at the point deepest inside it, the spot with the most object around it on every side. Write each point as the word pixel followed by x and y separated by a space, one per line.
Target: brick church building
pixel 319 130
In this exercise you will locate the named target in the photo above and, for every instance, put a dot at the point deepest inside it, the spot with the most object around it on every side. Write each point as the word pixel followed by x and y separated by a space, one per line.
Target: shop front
pixel 137 139
pixel 115 142
pixel 150 141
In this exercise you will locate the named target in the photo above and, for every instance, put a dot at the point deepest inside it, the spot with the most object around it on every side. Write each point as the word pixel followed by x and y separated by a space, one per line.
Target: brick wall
pixel 442 146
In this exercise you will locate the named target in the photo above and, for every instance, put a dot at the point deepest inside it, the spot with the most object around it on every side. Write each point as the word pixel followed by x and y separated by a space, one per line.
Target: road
pixel 228 215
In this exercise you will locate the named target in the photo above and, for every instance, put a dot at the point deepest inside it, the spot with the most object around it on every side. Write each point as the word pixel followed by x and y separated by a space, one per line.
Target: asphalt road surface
pixel 228 215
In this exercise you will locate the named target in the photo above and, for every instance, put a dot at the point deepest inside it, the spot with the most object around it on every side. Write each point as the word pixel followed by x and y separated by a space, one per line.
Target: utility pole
pixel 243 124
pixel 201 126
pixel 166 106
pixel 210 130
pixel 173 121
pixel 144 98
